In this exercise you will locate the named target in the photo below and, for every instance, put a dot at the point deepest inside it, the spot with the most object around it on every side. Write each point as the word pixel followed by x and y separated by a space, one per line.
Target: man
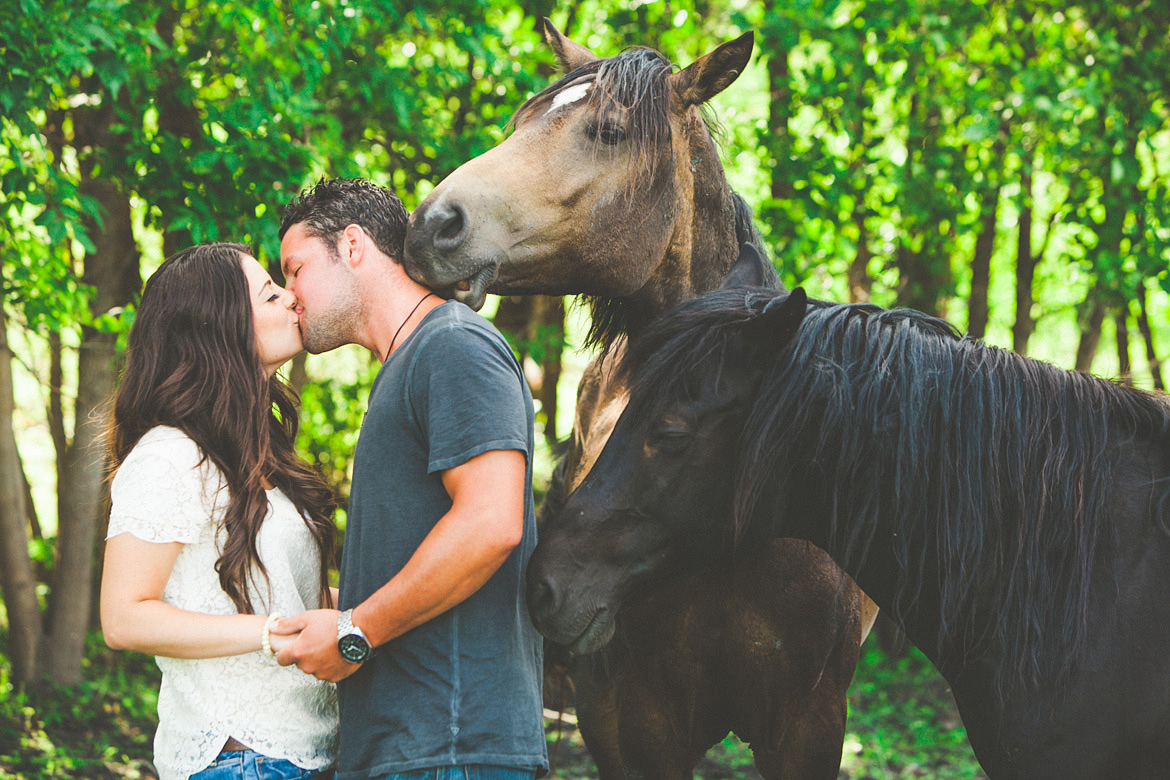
pixel 438 662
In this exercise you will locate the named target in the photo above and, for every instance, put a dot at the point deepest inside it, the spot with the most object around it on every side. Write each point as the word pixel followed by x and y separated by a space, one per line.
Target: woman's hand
pixel 280 641
pixel 315 651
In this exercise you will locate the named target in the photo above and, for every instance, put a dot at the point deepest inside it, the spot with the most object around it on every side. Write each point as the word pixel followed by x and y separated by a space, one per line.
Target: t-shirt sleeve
pixel 161 493
pixel 468 392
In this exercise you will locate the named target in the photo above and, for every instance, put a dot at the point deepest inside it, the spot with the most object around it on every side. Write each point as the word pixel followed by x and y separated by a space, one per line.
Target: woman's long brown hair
pixel 192 363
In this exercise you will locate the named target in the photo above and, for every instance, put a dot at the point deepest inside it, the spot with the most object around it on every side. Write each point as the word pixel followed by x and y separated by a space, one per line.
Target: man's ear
pixel 354 243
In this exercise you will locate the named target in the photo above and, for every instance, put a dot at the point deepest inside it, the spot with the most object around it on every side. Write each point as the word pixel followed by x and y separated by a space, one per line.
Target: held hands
pixel 280 641
pixel 309 640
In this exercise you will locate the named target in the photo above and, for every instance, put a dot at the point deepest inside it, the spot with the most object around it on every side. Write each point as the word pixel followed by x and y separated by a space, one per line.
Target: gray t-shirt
pixel 465 687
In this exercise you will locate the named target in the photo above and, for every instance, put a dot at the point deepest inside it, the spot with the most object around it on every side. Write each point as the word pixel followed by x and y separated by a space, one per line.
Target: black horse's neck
pixel 876 570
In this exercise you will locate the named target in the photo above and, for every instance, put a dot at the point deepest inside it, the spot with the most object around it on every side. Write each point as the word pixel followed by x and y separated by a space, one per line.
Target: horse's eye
pixel 671 439
pixel 609 133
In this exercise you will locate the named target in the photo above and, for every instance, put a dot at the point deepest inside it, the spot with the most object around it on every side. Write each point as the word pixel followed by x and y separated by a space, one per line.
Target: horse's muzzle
pixel 436 254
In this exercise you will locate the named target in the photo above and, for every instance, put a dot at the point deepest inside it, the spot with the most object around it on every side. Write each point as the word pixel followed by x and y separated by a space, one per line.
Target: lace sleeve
pixel 161 493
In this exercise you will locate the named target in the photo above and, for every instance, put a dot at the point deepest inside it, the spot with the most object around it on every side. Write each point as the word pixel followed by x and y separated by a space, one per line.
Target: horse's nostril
pixel 541 597
pixel 447 224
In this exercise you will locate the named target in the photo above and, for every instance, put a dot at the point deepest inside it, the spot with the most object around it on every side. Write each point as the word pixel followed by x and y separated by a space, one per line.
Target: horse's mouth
pixel 473 290
pixel 596 635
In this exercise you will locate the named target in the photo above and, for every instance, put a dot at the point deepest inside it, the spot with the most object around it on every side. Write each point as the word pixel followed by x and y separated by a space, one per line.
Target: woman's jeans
pixel 468 772
pixel 250 765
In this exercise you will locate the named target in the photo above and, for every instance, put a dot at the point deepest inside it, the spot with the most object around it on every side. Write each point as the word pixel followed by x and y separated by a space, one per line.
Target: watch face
pixel 353 648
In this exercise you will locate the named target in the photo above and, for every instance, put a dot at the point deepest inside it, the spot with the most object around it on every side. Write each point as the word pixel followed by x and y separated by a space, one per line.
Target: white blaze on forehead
pixel 570 95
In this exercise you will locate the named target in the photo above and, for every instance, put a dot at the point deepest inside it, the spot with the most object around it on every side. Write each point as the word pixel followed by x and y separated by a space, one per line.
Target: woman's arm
pixel 134 616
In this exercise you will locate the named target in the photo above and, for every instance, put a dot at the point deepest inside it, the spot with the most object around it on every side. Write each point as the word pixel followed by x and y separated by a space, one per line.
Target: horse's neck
pixel 679 276
pixel 601 398
pixel 701 250
pixel 879 575
pixel 705 233
pixel 602 395
pixel 686 271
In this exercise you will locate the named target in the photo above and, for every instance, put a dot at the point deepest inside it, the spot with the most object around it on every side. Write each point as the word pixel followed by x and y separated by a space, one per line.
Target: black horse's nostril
pixel 541 596
pixel 447 225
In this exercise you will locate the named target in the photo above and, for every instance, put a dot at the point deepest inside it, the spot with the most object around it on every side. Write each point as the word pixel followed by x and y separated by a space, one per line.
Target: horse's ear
pixel 748 269
pixel 570 55
pixel 712 73
pixel 776 326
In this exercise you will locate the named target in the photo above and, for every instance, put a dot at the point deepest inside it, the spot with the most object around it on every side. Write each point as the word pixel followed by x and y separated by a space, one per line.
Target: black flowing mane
pixel 994 470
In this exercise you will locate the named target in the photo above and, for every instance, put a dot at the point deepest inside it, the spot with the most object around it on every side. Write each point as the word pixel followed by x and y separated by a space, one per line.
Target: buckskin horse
pixel 610 186
pixel 1013 517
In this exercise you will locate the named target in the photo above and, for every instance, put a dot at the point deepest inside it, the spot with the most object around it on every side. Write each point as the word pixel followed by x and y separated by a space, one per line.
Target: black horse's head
pixel 660 495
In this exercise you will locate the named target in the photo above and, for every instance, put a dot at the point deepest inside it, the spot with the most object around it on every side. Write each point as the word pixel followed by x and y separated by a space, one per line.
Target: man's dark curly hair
pixel 331 205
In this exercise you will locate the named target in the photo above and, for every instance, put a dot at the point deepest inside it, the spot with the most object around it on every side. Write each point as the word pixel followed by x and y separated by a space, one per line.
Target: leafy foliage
pixel 903 722
pixel 877 138
pixel 103 728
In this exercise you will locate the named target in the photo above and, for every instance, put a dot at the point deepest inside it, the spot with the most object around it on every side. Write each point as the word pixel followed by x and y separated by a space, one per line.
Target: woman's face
pixel 278 335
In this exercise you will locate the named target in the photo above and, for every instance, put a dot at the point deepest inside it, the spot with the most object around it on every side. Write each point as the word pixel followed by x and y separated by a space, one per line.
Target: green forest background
pixel 1002 163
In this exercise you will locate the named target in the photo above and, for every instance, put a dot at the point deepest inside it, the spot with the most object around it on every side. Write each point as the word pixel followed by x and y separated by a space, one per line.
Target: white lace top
pixel 161 494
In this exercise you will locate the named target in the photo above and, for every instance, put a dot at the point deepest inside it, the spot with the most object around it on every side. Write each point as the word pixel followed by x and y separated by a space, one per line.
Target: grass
pixel 902 724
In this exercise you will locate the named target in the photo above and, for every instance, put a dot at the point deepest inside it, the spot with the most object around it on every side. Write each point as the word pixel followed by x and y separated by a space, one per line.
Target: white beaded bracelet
pixel 265 642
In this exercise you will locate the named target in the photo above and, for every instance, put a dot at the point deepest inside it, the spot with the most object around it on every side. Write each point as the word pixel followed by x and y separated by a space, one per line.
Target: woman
pixel 216 525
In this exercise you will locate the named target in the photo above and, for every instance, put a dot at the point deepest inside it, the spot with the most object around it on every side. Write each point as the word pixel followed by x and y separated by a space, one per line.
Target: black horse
pixel 1011 516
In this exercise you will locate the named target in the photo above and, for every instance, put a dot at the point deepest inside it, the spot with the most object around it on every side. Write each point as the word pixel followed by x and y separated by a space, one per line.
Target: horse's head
pixel 605 179
pixel 661 494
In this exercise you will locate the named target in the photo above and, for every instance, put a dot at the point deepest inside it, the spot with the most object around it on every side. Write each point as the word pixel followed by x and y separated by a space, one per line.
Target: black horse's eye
pixel 670 436
pixel 608 132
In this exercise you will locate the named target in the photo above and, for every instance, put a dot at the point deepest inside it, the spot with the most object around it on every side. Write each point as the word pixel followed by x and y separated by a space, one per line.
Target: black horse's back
pixel 1011 515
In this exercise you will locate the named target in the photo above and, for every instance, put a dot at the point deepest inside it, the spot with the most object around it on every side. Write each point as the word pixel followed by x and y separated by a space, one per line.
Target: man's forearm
pixel 453 562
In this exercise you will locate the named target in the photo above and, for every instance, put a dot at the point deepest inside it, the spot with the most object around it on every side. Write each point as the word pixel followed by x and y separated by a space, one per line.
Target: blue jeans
pixel 250 765
pixel 468 772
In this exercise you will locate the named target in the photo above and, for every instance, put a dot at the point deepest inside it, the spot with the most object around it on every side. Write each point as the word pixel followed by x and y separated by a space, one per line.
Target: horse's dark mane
pixel 994 469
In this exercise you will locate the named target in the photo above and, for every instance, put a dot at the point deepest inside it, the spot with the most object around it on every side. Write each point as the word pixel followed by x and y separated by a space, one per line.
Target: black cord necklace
pixel 403 325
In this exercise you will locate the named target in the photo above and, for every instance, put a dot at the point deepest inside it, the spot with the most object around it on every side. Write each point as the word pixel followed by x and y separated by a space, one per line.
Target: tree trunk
pixel 977 308
pixel 17 577
pixel 56 411
pixel 1124 369
pixel 924 270
pixel 1090 332
pixel 1025 263
pixel 860 282
pixel 779 104
pixel 112 270
pixel 550 324
pixel 298 375
pixel 1148 337
pixel 535 324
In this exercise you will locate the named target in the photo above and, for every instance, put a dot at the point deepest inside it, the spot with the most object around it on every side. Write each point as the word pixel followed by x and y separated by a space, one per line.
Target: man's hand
pixel 315 650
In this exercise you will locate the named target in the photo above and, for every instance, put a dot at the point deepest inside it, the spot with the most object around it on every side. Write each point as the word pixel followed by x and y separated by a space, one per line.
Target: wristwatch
pixel 351 641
